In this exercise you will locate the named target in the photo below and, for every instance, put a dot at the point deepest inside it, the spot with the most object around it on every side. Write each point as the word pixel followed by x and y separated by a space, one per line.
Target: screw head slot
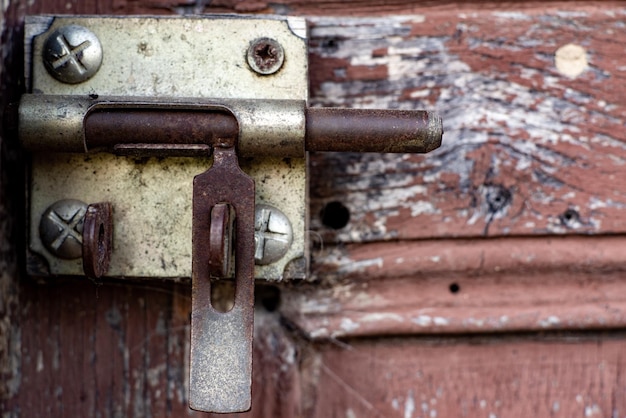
pixel 72 54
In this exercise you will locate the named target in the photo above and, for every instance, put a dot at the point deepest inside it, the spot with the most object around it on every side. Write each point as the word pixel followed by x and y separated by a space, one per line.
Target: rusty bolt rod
pixel 368 130
pixel 107 128
pixel 327 129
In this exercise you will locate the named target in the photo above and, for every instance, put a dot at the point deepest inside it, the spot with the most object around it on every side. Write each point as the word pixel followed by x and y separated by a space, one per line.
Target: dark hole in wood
pixel 268 297
pixel 454 288
pixel 330 45
pixel 570 217
pixel 498 197
pixel 335 215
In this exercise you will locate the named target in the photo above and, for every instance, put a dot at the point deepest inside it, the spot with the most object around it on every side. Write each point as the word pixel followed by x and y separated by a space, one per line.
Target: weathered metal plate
pixel 202 57
pixel 180 57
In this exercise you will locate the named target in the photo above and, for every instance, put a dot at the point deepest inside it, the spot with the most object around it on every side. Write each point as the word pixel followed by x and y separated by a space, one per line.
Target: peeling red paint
pixel 551 144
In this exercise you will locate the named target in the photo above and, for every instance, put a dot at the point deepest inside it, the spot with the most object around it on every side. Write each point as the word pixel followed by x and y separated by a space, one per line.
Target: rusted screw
pixel 72 54
pixel 273 234
pixel 265 56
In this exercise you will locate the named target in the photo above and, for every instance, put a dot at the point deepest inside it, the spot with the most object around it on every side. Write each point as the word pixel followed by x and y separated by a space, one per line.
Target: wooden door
pixel 482 280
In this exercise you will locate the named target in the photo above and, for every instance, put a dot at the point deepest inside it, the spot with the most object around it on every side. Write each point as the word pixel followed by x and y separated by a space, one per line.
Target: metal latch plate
pixel 167 57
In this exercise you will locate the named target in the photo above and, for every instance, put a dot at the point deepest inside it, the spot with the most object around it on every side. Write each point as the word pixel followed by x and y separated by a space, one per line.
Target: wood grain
pixel 464 286
pixel 120 350
pixel 11 207
pixel 509 377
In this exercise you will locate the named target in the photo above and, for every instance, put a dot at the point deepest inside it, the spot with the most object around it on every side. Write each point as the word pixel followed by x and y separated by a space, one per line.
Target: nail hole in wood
pixel 498 197
pixel 454 288
pixel 335 215
pixel 570 218
pixel 268 297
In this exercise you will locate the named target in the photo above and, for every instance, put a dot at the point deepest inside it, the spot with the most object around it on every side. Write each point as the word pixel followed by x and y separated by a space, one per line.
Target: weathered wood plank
pixel 11 208
pixel 461 286
pixel 528 149
pixel 374 7
pixel 514 377
pixel 119 350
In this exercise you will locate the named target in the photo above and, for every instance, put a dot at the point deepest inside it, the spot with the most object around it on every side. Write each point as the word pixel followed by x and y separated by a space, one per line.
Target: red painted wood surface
pixel 120 350
pixel 464 286
pixel 527 149
pixel 509 377
pixel 523 209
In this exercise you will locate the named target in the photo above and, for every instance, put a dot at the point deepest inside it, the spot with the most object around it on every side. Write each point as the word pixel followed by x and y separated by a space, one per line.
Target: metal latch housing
pixel 179 63
pixel 116 107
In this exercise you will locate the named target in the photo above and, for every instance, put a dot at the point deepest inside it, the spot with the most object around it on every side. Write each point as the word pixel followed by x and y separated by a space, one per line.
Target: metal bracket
pixel 172 61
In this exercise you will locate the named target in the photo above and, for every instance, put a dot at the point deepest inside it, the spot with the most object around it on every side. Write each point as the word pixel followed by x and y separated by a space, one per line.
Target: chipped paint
pixel 319 333
pixel 348 325
pixel 153 374
pixel 395 404
pixel 380 316
pixel 529 130
pixel 361 265
pixel 549 322
pixel 506 284
pixel 440 321
pixel 593 411
pixel 508 16
pixel 571 60
pixel 409 405
pixel 422 320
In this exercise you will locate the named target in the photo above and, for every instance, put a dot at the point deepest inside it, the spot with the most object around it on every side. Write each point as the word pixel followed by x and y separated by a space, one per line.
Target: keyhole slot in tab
pixel 223 295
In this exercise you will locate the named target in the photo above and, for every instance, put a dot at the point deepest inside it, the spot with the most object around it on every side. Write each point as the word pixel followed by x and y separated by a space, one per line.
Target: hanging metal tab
pixel 221 342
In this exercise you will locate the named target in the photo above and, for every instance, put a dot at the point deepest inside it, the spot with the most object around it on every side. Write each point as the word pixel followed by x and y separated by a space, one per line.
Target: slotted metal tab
pixel 221 342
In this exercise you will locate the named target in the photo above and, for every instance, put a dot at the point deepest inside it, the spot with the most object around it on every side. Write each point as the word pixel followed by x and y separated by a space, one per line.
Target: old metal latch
pixel 116 106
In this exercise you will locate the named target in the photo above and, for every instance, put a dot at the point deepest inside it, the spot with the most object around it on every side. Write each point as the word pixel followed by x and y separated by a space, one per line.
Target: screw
pixel 272 234
pixel 72 54
pixel 265 56
pixel 61 228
